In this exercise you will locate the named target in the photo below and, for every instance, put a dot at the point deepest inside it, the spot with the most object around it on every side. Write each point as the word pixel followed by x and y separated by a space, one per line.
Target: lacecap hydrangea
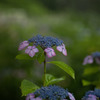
pixel 92 95
pixel 50 93
pixel 46 43
pixel 90 58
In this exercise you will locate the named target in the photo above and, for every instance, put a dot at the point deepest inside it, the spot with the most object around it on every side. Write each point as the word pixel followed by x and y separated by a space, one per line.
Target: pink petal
pixel 53 53
pixel 27 51
pixel 30 96
pixel 25 42
pixel 31 53
pixel 51 49
pixel 64 52
pixel 88 60
pixel 29 47
pixel 23 45
pixel 63 45
pixel 71 96
pixel 33 47
pixel 36 50
pixel 59 48
pixel 49 54
pixel 48 49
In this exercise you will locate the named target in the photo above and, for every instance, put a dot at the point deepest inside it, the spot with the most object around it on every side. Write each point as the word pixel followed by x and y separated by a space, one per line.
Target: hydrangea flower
pixel 53 93
pixel 71 96
pixel 89 97
pixel 90 58
pixel 92 95
pixel 62 49
pixel 50 52
pixel 31 50
pixel 46 43
pixel 23 45
pixel 31 96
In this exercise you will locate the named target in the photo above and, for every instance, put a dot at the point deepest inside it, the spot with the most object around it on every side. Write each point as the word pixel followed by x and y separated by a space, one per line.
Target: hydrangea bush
pixel 90 58
pixel 39 47
pixel 92 95
pixel 91 71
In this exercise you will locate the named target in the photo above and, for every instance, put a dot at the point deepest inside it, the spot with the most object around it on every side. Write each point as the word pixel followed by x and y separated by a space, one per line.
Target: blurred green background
pixel 76 22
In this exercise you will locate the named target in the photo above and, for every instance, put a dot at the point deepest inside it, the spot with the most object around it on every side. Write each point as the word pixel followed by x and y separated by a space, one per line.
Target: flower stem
pixel 44 70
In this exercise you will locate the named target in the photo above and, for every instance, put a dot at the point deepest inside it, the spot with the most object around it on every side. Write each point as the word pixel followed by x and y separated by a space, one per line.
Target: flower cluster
pixel 51 93
pixel 46 43
pixel 90 58
pixel 92 95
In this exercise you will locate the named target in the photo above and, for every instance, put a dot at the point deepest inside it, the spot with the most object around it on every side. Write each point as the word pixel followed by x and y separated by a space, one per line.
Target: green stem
pixel 44 70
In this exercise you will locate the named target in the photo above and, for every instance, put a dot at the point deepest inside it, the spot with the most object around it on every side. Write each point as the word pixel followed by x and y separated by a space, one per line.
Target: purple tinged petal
pixel 47 50
pixel 30 96
pixel 36 50
pixel 71 96
pixel 53 53
pixel 23 45
pixel 59 48
pixel 31 50
pixel 31 53
pixel 88 60
pixel 50 52
pixel 27 51
pixel 91 97
pixel 33 47
pixel 29 47
pixel 62 49
pixel 64 52
pixel 49 55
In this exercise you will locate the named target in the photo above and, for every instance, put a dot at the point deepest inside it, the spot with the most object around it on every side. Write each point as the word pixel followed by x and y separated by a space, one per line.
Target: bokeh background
pixel 76 22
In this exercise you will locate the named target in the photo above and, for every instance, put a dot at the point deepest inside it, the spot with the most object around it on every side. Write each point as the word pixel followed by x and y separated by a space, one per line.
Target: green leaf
pixel 28 87
pixel 86 83
pixel 90 70
pixel 65 67
pixel 50 79
pixel 25 57
pixel 40 57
